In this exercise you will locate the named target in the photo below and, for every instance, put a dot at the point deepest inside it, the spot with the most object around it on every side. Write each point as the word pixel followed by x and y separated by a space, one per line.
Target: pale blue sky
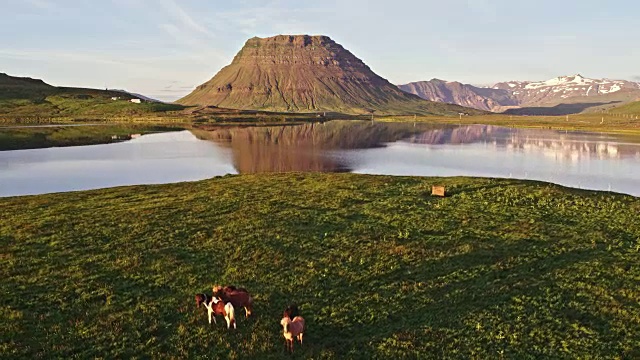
pixel 164 48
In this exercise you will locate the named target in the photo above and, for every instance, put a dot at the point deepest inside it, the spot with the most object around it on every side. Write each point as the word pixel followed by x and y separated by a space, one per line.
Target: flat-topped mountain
pixel 561 95
pixel 305 73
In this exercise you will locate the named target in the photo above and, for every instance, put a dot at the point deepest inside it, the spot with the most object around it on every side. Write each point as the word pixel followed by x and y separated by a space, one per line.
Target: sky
pixel 164 48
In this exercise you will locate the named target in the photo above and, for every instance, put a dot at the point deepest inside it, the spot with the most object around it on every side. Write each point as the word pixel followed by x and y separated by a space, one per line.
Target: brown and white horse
pixel 239 297
pixel 215 306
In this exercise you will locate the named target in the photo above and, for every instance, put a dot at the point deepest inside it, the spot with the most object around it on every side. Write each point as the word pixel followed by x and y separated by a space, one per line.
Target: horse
pixel 291 311
pixel 239 297
pixel 216 306
pixel 229 312
pixel 291 330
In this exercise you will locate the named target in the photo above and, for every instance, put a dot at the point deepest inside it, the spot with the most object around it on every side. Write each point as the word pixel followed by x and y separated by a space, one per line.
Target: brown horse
pixel 291 311
pixel 239 297
pixel 291 330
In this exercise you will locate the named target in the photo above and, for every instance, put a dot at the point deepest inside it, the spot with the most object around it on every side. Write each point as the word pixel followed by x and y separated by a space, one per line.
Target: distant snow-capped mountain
pixel 555 90
pixel 523 94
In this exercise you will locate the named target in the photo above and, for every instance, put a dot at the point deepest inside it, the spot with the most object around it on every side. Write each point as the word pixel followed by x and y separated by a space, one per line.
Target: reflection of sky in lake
pixel 486 160
pixel 584 160
pixel 150 159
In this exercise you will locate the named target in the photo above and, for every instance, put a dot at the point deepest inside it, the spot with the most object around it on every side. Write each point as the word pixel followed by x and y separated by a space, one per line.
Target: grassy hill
pixel 380 269
pixel 631 108
pixel 28 98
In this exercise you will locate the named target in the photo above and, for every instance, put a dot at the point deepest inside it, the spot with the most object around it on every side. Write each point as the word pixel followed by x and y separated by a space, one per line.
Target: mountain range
pixel 302 73
pixel 310 74
pixel 558 96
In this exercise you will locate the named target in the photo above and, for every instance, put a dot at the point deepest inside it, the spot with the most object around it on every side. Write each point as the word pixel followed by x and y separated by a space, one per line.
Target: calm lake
pixel 582 160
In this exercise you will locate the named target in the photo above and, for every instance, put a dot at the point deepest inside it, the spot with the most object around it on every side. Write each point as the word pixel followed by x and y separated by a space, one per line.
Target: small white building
pixel 115 98
pixel 136 101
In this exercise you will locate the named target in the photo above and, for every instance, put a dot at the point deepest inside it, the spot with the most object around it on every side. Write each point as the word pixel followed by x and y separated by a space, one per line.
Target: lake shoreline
pixel 575 159
pixel 598 123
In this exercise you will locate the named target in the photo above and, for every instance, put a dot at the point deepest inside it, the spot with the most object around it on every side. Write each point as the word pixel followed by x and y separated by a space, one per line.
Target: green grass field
pixel 380 269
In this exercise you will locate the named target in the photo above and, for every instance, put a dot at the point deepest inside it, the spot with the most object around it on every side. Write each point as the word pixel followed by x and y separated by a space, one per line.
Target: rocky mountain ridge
pixel 502 96
pixel 563 87
pixel 454 92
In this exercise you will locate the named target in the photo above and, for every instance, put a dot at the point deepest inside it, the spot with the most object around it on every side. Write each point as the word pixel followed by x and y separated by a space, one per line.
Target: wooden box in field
pixel 438 191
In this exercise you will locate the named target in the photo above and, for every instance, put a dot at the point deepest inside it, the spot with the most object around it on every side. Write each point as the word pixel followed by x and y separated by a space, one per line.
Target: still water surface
pixel 584 160
pixel 150 159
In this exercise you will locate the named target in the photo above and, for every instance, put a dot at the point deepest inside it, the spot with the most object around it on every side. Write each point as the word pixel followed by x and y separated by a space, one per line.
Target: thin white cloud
pixel 58 55
pixel 199 49
pixel 177 12
pixel 483 8
pixel 41 4
pixel 259 20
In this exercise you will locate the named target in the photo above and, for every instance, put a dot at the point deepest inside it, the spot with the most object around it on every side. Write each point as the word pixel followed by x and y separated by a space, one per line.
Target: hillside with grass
pixel 379 268
pixel 631 108
pixel 28 99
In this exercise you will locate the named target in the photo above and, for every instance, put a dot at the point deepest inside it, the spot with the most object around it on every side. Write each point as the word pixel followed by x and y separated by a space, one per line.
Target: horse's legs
pixel 300 338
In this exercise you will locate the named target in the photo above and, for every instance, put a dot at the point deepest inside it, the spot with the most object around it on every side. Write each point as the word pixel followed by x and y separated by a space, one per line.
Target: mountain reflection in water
pixel 312 147
pixel 584 160
pixel 304 147
pixel 556 144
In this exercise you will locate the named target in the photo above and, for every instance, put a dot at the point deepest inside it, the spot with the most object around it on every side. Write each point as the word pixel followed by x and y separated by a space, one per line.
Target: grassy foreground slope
pixel 500 268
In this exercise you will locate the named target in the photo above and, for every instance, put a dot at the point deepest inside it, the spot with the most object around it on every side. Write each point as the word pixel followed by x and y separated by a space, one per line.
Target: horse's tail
pixel 231 315
pixel 249 306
